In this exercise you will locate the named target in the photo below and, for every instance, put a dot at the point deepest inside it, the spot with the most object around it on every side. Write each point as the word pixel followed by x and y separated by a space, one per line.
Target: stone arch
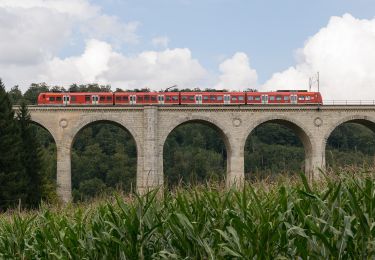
pixel 209 121
pixel 297 127
pixel 359 119
pixel 39 123
pixel 196 118
pixel 82 124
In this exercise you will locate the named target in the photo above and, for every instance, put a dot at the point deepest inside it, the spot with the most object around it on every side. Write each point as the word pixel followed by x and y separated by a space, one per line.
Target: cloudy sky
pixel 231 44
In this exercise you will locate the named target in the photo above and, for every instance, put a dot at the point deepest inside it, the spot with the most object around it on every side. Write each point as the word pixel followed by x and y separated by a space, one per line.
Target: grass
pixel 332 218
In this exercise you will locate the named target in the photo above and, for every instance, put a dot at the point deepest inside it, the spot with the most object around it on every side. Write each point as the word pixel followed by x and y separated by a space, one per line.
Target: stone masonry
pixel 151 125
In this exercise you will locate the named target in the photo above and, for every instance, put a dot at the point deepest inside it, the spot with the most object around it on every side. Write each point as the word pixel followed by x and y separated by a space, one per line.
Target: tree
pixel 15 95
pixel 12 182
pixel 31 95
pixel 31 157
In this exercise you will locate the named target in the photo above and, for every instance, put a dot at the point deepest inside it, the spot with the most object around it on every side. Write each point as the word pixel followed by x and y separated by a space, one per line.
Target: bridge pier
pixel 64 180
pixel 150 176
pixel 235 167
pixel 318 162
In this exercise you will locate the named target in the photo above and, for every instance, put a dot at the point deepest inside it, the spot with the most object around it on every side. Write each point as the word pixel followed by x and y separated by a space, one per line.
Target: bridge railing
pixel 348 102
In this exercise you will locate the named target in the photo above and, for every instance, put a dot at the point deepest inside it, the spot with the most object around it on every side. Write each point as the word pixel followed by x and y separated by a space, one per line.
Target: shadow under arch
pixel 102 138
pixel 296 127
pixel 362 120
pixel 203 122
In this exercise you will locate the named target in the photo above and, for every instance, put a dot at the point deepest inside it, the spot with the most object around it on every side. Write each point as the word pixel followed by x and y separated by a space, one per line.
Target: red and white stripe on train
pixel 178 98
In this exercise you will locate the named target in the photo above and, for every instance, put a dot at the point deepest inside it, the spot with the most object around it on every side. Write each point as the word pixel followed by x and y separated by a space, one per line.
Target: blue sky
pixel 268 31
pixel 231 44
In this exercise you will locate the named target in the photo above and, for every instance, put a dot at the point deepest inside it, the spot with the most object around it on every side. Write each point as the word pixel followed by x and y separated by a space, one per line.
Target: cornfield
pixel 329 219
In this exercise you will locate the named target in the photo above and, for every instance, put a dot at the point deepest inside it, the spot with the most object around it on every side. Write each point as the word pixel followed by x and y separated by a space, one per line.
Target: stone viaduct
pixel 151 125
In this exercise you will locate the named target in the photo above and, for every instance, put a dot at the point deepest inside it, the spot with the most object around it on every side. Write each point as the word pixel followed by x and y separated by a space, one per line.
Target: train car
pixel 75 98
pixel 284 97
pixel 212 98
pixel 146 98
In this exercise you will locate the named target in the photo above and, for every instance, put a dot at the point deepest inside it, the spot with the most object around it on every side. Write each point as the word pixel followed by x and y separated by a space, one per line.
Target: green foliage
pixel 15 95
pixel 272 149
pixel 333 219
pixel 194 153
pixel 30 158
pixel 12 181
pixel 89 88
pixel 32 93
pixel 351 144
pixel 103 159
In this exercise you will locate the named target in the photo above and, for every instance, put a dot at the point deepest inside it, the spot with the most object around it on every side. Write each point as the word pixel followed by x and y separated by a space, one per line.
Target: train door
pixel 198 99
pixel 161 99
pixel 293 99
pixel 132 99
pixel 95 100
pixel 226 99
pixel 264 99
pixel 66 100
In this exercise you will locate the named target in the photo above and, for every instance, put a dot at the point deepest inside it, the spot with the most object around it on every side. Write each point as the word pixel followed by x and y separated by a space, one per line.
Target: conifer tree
pixel 12 182
pixel 31 157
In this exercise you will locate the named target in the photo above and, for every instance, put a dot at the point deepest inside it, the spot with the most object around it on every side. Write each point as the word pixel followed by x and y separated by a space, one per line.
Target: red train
pixel 178 98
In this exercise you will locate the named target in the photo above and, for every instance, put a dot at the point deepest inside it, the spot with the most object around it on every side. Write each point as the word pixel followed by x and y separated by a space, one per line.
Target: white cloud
pixel 33 31
pixel 161 41
pixel 156 70
pixel 236 73
pixel 344 54
pixel 100 63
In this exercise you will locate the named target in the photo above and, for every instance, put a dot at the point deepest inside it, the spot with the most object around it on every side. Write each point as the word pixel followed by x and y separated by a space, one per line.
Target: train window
pixel 139 98
pixel 125 98
pixel 118 98
pixel 191 98
pixel 175 98
pixel 307 97
pixel 102 98
pixel 168 98
pixel 184 98
pixel 74 98
pixel 87 98
pixel 205 98
pixel 272 98
pixel 278 98
pixel 147 98
pixel 257 98
pixel 58 98
pixel 250 98
pixel 109 98
pixel 301 98
pixel 52 99
pixel 240 98
pixel 219 98
pixel 234 98
pixel 153 98
pixel 286 98
pixel 212 98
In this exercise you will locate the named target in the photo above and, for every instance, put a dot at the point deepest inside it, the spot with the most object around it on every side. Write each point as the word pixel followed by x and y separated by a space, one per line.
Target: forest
pixel 104 155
